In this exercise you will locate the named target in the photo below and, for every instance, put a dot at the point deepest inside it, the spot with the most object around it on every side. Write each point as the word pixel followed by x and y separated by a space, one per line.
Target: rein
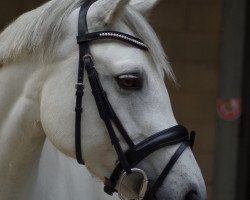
pixel 137 152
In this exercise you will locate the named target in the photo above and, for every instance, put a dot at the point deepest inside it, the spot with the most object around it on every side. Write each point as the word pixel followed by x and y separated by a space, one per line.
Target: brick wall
pixel 190 31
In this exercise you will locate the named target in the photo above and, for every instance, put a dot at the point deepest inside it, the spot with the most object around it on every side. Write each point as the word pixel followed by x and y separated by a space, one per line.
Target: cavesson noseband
pixel 136 152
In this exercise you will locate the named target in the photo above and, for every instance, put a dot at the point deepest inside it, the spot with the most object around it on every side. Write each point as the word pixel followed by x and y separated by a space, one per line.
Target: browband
pixel 112 35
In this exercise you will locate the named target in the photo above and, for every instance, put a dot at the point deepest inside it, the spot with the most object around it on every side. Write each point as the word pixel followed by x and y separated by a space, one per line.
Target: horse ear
pixel 144 6
pixel 108 10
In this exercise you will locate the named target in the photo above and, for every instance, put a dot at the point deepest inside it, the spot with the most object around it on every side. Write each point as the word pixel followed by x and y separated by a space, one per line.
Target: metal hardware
pixel 144 184
pixel 87 56
pixel 79 85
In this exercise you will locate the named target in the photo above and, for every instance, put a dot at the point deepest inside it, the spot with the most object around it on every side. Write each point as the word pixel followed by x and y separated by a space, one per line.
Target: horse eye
pixel 129 81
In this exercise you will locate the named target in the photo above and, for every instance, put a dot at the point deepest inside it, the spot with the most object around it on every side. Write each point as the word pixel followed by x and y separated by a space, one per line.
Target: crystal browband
pixel 112 35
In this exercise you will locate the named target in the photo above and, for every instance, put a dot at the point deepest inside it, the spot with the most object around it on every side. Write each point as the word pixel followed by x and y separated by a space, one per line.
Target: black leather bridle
pixel 136 152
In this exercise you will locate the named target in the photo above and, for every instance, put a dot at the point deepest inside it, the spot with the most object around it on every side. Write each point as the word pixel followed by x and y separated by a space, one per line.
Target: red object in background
pixel 229 109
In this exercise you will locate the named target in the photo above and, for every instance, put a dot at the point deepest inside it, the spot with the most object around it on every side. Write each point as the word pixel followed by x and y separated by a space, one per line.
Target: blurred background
pixel 207 42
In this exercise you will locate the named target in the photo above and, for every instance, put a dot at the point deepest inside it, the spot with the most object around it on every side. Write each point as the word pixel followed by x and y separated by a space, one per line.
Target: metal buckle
pixel 87 56
pixel 143 188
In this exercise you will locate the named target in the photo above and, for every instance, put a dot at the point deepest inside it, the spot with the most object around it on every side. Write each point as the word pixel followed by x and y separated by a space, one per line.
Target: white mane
pixel 38 32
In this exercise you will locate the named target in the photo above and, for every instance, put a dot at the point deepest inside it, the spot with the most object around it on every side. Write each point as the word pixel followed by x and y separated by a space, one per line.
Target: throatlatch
pixel 136 152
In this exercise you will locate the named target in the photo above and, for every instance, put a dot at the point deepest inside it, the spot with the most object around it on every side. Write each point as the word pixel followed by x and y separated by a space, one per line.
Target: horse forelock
pixel 143 30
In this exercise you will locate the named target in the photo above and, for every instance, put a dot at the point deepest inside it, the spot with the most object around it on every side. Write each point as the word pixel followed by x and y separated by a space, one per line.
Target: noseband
pixel 136 152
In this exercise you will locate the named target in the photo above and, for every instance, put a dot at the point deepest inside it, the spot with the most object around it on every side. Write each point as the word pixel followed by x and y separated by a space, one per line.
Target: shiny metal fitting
pixel 144 184
pixel 87 56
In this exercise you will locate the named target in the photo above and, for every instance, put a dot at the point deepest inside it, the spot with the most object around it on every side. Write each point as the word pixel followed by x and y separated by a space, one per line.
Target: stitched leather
pixel 83 50
pixel 164 138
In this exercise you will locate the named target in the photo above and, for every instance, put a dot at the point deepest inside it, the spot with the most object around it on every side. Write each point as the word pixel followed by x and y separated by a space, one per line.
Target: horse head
pixel 133 81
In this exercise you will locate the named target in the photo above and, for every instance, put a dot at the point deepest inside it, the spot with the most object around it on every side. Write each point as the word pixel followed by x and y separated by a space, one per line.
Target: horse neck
pixel 21 137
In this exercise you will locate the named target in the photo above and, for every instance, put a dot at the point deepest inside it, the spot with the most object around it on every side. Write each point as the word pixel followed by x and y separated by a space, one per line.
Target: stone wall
pixel 190 30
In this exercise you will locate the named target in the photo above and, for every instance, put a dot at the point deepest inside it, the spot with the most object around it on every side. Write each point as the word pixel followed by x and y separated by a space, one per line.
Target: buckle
pixel 79 85
pixel 87 56
pixel 144 184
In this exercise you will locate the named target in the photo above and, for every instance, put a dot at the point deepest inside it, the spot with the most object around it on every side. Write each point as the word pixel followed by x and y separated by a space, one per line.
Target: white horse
pixel 39 55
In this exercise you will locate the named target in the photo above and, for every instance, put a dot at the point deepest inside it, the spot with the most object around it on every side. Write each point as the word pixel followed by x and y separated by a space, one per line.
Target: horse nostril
pixel 192 195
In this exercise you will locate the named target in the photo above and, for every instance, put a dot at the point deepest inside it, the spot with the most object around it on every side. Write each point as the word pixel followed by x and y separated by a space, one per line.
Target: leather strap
pixel 105 111
pixel 152 191
pixel 83 49
pixel 167 137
